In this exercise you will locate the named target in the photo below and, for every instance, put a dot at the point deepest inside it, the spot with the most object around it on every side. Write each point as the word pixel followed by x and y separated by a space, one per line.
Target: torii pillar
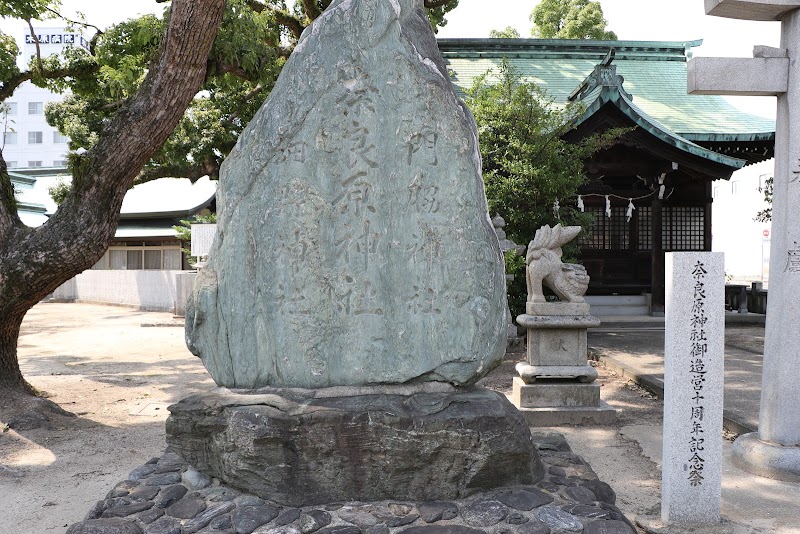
pixel 773 451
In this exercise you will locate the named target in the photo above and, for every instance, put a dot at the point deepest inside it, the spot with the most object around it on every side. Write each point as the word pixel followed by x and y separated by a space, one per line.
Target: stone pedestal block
pixel 555 386
pixel 766 459
pixel 305 447
pixel 557 343
pixel 549 403
pixel 555 394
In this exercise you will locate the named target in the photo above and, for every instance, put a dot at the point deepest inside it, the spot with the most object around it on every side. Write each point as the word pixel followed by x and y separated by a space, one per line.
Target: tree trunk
pixel 35 261
pixel 10 374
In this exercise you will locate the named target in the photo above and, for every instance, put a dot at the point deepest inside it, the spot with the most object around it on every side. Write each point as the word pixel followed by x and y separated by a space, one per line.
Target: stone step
pixel 606 305
pixel 604 311
pixel 616 300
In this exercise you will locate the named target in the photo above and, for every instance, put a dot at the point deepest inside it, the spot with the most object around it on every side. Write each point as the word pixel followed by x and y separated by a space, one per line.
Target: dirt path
pixel 118 376
pixel 98 362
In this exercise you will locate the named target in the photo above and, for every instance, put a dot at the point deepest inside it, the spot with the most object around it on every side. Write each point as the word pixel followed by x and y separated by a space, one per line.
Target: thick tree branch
pixel 7 87
pixel 192 172
pixel 255 5
pixel 9 219
pixel 284 18
pixel 311 9
pixel 235 69
pixel 80 230
pixel 36 42
pixel 290 22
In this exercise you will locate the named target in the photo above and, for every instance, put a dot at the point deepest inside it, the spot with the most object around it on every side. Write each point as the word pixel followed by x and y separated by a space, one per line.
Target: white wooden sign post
pixel 772 451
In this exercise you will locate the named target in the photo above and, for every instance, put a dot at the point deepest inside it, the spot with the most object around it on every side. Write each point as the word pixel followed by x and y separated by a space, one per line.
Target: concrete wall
pixel 146 290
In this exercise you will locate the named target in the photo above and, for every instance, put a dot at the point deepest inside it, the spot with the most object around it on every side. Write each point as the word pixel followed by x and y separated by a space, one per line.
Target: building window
pixel 138 255
pixel 734 187
pixel 10 108
pixel 35 138
pixel 683 228
pixel 59 139
pixel 32 164
pixel 645 227
pixel 608 233
pixel 134 259
pixel 10 138
pixel 59 163
pixel 35 108
pixel 116 259
pixel 11 164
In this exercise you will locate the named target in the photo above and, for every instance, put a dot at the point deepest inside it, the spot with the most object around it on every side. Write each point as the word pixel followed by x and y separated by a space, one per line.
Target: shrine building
pixel 678 145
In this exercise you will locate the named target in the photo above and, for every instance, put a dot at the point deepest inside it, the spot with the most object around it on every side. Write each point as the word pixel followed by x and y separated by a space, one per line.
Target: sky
pixel 647 20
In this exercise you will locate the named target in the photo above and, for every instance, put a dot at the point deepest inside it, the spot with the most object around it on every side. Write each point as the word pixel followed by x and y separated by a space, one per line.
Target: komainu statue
pixel 544 266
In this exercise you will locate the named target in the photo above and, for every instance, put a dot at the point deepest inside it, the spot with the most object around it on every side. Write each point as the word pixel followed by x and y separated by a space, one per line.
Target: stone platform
pixel 304 447
pixel 561 402
pixel 166 496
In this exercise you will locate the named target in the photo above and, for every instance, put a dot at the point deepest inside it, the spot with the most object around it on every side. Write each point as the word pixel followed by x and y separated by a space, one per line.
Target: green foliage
pixel 527 167
pixel 59 191
pixel 184 231
pixel 251 48
pixel 28 9
pixel 508 33
pixel 516 288
pixel 8 57
pixel 570 19
pixel 436 14
pixel 765 215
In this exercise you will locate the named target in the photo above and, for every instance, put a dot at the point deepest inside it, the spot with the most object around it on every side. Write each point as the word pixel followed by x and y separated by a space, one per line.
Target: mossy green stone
pixel 354 245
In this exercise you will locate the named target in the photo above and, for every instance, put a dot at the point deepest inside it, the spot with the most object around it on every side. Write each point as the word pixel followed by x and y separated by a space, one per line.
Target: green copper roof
pixel 603 95
pixel 654 73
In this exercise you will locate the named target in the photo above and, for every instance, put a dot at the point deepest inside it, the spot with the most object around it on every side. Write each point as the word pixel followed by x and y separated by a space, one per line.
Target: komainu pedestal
pixel 556 383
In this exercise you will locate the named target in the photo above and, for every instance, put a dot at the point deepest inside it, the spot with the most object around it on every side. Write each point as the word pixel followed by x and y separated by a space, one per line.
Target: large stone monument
pixel 774 450
pixel 556 383
pixel 355 289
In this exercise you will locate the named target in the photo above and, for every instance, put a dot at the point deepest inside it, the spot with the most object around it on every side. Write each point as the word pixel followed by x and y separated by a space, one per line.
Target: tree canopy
pixel 254 41
pixel 765 215
pixel 509 33
pixel 570 19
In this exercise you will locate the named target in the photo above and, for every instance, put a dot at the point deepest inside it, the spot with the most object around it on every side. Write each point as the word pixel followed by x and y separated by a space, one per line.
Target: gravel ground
pixel 118 369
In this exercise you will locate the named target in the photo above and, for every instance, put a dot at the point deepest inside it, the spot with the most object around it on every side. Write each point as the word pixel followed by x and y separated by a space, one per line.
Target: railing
pixel 744 299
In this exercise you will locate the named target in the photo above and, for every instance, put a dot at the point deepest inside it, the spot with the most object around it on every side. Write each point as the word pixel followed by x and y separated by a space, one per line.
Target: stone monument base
pixel 766 459
pixel 305 447
pixel 561 402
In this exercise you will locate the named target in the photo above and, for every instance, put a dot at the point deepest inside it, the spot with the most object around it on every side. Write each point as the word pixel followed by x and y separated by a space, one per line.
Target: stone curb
pixel 730 421
pixel 166 496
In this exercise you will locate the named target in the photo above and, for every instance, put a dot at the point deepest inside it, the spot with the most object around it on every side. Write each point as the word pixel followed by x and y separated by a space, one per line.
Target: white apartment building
pixel 745 242
pixel 28 141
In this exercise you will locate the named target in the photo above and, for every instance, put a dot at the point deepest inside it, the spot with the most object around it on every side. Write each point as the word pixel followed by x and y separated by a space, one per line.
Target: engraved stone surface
pixel 694 342
pixel 354 244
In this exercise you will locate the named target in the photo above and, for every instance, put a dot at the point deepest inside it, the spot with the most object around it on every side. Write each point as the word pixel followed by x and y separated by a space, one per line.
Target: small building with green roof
pixel 664 167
